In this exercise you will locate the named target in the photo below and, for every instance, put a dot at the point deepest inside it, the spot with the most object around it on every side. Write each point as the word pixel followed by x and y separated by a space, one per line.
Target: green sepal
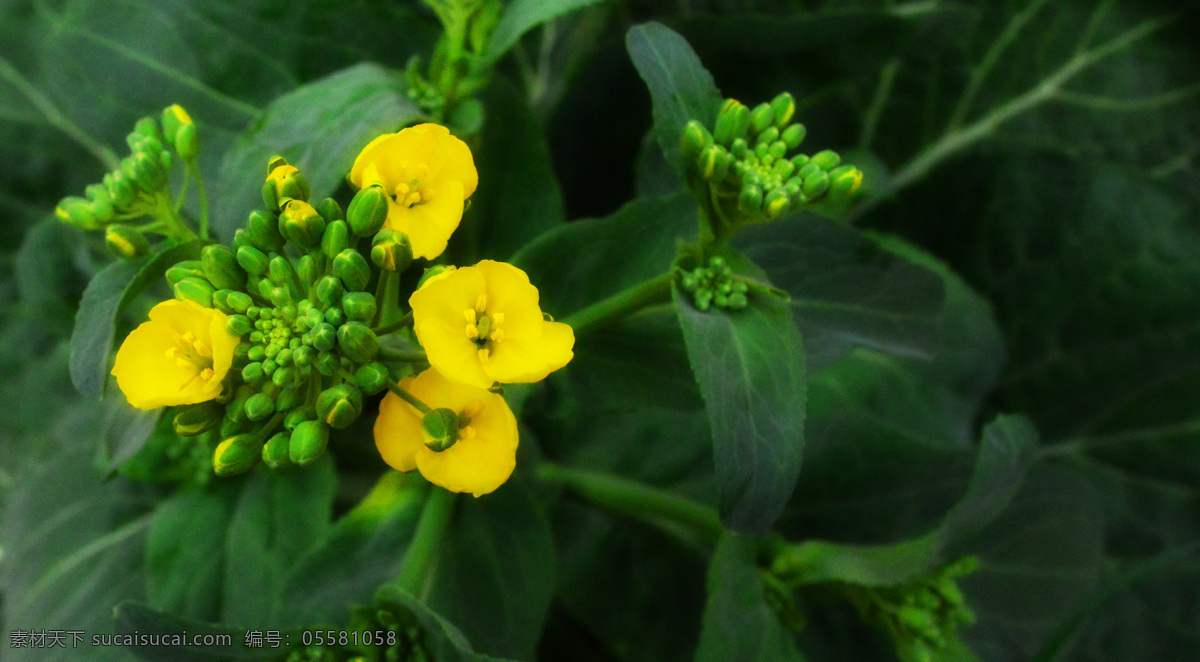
pixel 761 117
pixel 694 139
pixel 187 142
pixel 731 122
pixel 259 406
pixel 339 406
pixel 335 239
pixel 352 268
pixel 275 453
pixel 439 429
pixel 191 420
pixel 253 260
pixel 359 306
pixel 826 159
pixel 324 337
pixel 783 107
pixel 371 378
pixel 300 224
pixel 100 202
pixel 194 289
pixel 220 266
pixel 368 210
pixel 329 291
pixel 308 442
pixel 358 342
pixel 237 454
pixel 434 271
pixel 281 272
pixel 391 250
pixel 298 415
pixel 330 210
pixel 263 230
pixel 125 242
pixel 793 135
pixel 239 325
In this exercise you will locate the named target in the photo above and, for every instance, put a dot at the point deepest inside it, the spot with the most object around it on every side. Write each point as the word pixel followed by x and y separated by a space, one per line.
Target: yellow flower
pixel 481 459
pixel 428 175
pixel 179 357
pixel 482 324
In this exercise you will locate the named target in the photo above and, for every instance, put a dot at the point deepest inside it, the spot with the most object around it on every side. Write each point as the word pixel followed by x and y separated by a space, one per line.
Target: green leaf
pixel 680 87
pixel 443 640
pixel 749 364
pixel 279 515
pixel 185 551
pixel 518 197
pixel 845 290
pixel 320 128
pixel 495 572
pixel 521 16
pixel 126 430
pixel 739 624
pixel 360 552
pixel 106 296
pixel 137 623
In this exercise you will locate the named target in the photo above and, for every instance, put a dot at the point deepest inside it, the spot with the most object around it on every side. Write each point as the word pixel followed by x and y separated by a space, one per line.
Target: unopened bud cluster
pixel 294 289
pixel 750 164
pixel 385 631
pixel 714 285
pixel 139 187
pixel 922 616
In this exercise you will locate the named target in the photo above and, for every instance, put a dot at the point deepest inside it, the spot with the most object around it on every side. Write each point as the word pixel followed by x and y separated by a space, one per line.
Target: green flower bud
pixel 732 121
pixel 220 265
pixel 192 420
pixel 340 405
pixel 371 378
pixel 368 210
pixel 826 159
pixel 809 170
pixel 776 203
pixel 783 107
pixel 300 224
pixel 358 342
pixel 761 117
pixel 308 442
pixel 335 239
pixel 815 184
pixel 260 406
pixel 253 372
pixel 793 136
pixel 237 454
pixel 238 325
pixel 750 200
pixel 275 451
pixel 324 337
pixel 252 260
pixel 284 375
pixel 359 306
pixel 768 136
pixel 800 161
pixel 694 139
pixel 187 142
pixel 289 398
pixel 196 290
pixel 439 428
pixel 125 242
pixel 120 190
pixel 391 250
pixel 280 270
pixel 298 415
pixel 352 268
pixel 147 128
pixel 148 172
pixel 776 150
pixel 329 291
pixel 77 212
pixel 256 353
pixel 434 271
pixel 330 210
pixel 284 184
pixel 737 301
pixel 264 232
pixel 709 159
pixel 844 182
pixel 100 202
pixel 327 364
pixel 239 302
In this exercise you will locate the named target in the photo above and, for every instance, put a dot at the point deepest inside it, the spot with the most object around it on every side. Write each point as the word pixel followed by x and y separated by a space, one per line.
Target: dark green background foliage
pixel 1029 244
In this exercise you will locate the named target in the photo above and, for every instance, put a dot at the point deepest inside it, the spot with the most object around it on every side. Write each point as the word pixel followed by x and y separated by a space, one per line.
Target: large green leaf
pixel 680 87
pixel 139 625
pixel 320 128
pixel 739 623
pixel 109 292
pixel 749 364
pixel 495 573
pixel 846 291
pixel 279 515
pixel 126 430
pixel 521 16
pixel 518 196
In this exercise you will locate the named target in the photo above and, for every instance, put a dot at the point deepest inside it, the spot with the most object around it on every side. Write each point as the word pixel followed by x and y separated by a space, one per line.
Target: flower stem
pixel 637 499
pixel 387 295
pixel 394 326
pixel 620 305
pixel 195 170
pixel 431 528
pixel 408 397
pixel 389 354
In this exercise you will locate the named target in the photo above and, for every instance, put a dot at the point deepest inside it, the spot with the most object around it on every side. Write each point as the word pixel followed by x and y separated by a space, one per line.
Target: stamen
pixel 470 315
pixel 472 331
pixel 466 434
pixel 484 353
pixel 185 364
pixel 497 318
pixel 481 303
pixel 496 335
pixel 202 349
pixel 207 374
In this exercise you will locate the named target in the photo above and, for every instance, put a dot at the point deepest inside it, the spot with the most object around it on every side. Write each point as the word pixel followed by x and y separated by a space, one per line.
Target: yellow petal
pixel 450 351
pixel 398 431
pixel 447 295
pixel 144 374
pixel 448 159
pixel 483 462
pixel 510 293
pixel 518 361
pixel 452 161
pixel 430 224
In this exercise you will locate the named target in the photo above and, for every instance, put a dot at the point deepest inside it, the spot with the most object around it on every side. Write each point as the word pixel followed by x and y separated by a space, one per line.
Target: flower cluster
pixel 747 168
pixel 283 330
pixel 714 285
pixel 138 188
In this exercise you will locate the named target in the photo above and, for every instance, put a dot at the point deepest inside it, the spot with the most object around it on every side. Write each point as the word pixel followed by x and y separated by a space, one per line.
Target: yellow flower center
pixel 483 329
pixel 409 191
pixel 465 431
pixel 191 354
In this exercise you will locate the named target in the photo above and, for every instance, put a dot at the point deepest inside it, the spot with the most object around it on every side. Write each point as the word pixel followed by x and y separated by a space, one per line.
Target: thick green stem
pixel 431 528
pixel 394 326
pixel 636 499
pixel 195 170
pixel 620 305
pixel 387 296
pixel 413 356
